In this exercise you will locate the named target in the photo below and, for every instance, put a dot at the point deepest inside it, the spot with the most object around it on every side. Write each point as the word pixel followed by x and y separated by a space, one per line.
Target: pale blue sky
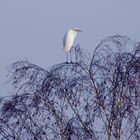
pixel 34 29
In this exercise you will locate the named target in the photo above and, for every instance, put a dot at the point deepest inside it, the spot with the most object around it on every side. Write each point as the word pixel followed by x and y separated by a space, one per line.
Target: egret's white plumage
pixel 69 38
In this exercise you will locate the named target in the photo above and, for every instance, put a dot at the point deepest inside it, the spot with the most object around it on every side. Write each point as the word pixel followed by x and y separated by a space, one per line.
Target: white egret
pixel 68 41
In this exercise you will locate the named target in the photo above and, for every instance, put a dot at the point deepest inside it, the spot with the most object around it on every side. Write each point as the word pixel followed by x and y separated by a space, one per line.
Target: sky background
pixel 33 29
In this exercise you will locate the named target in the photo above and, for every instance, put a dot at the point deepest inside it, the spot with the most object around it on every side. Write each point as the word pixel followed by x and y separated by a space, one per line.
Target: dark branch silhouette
pixel 96 97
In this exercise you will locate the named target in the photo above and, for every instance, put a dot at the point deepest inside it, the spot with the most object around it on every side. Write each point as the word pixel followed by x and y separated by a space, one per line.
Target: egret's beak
pixel 78 30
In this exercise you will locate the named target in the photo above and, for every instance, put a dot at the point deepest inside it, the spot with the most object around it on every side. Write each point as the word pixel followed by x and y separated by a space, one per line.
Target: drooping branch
pixel 95 97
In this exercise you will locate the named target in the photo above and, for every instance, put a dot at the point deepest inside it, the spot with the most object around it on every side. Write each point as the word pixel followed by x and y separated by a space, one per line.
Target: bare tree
pixel 96 97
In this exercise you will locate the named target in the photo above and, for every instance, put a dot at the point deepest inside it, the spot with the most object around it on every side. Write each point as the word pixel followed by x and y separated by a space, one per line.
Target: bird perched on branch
pixel 68 41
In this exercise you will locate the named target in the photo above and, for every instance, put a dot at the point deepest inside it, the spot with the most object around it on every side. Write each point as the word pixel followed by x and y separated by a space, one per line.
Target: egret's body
pixel 68 40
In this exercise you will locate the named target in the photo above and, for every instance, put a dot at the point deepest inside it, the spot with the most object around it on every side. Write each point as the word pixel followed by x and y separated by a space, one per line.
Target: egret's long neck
pixel 75 34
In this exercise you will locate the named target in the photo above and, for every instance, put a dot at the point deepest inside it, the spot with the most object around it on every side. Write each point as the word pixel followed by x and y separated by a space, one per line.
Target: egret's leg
pixel 70 56
pixel 75 54
pixel 66 57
